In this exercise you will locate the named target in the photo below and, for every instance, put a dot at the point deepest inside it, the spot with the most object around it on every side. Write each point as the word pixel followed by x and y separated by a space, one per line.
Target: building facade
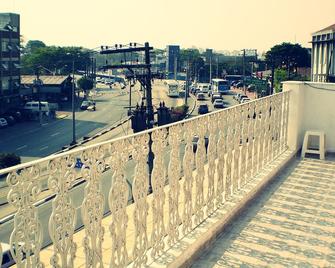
pixel 323 55
pixel 9 61
pixel 172 60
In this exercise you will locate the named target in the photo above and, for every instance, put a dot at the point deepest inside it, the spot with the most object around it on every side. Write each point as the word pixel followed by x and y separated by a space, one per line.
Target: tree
pixel 32 45
pixel 57 59
pixel 288 56
pixel 85 84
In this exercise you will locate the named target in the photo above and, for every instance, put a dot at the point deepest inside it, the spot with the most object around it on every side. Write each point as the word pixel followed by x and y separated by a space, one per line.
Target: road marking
pixel 20 148
pixel 45 124
pixel 55 134
pixel 43 148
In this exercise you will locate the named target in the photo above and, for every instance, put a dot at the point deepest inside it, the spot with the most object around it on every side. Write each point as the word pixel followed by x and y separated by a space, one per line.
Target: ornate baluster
pixel 251 157
pixel 140 191
pixel 0 253
pixel 200 172
pixel 262 135
pixel 285 125
pixel 26 237
pixel 92 209
pixel 277 126
pixel 221 157
pixel 229 156
pixel 269 129
pixel 244 137
pixel 174 176
pixel 158 182
pixel 255 137
pixel 236 147
pixel 63 218
pixel 118 201
pixel 188 163
pixel 211 156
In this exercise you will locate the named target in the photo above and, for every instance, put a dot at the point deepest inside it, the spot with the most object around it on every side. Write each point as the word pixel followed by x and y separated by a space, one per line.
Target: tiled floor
pixel 292 224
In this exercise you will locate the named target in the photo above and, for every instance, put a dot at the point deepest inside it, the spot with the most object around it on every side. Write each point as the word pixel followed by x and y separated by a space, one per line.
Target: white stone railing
pixel 241 141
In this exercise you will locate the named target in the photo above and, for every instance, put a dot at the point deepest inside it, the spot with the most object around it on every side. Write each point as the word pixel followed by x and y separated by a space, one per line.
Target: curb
pixel 193 108
pixel 62 116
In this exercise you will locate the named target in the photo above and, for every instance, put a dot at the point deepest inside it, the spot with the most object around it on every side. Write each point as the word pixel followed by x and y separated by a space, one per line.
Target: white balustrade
pixel 198 165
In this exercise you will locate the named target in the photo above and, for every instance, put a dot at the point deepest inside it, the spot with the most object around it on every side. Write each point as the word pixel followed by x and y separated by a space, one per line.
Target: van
pixel 33 106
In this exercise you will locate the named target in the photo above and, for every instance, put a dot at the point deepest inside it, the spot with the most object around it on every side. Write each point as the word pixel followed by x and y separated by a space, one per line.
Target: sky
pixel 218 24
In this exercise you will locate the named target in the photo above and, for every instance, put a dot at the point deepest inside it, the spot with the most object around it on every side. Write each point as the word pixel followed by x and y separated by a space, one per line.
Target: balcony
pixel 99 206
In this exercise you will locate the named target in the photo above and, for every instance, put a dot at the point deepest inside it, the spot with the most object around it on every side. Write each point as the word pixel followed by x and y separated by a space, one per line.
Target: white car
pixel 3 122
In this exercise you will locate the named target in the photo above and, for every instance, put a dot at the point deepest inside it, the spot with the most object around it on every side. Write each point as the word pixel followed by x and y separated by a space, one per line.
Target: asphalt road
pixel 30 140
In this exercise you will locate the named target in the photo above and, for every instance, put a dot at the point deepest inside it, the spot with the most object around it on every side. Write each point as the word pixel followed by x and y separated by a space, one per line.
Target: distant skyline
pixel 218 24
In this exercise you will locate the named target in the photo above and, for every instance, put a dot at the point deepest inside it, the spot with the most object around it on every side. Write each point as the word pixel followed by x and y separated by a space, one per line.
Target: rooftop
pixel 46 79
pixel 328 29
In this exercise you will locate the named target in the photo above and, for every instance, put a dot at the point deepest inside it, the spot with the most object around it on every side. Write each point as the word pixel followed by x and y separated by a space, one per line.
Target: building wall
pixel 9 61
pixel 172 57
pixel 323 44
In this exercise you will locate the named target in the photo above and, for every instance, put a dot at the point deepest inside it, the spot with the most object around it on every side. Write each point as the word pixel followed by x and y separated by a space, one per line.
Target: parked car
pixel 244 100
pixel 237 96
pixel 7 258
pixel 251 87
pixel 241 97
pixel 203 109
pixel 201 96
pixel 91 107
pixel 10 120
pixel 216 96
pixel 33 106
pixel 16 114
pixel 239 84
pixel 218 103
pixel 3 122
pixel 85 104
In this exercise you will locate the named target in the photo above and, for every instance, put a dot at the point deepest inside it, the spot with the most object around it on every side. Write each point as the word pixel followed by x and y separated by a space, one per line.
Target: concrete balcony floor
pixel 291 224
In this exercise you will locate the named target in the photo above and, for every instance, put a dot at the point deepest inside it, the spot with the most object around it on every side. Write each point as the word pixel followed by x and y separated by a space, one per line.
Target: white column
pixel 295 116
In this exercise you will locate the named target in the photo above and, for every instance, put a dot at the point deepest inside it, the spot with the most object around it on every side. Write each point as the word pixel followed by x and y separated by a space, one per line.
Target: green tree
pixel 57 59
pixel 85 84
pixel 32 45
pixel 288 56
pixel 280 76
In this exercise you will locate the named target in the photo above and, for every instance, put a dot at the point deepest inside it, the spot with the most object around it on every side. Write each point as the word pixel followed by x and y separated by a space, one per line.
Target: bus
pixel 173 88
pixel 220 85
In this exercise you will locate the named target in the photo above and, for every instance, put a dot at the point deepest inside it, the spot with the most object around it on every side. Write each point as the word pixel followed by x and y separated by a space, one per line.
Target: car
pixel 85 104
pixel 216 96
pixel 16 114
pixel 3 122
pixel 241 97
pixel 218 103
pixel 203 109
pixel 10 120
pixel 7 258
pixel 91 107
pixel 237 96
pixel 244 100
pixel 251 87
pixel 201 96
pixel 239 84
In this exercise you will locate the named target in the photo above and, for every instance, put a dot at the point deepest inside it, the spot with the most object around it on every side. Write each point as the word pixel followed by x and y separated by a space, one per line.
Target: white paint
pixel 43 148
pixel 311 107
pixel 21 147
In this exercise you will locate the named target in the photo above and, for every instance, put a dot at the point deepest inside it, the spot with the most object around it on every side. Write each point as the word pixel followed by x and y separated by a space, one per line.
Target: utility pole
pixel 244 71
pixel 217 66
pixel 187 84
pixel 210 68
pixel 73 108
pixel 175 67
